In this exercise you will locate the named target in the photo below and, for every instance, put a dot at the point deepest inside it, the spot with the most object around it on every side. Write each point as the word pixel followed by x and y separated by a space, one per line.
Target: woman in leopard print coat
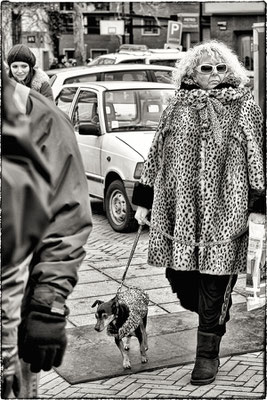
pixel 203 176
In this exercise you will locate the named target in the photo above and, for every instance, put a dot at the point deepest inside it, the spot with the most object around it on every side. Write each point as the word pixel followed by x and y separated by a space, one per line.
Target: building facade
pixel 144 23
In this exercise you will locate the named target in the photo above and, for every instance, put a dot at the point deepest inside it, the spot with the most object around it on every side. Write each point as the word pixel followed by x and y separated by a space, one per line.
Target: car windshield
pixel 138 109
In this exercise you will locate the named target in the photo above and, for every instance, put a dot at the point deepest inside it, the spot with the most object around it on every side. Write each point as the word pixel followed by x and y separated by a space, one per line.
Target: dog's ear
pixel 97 302
pixel 115 305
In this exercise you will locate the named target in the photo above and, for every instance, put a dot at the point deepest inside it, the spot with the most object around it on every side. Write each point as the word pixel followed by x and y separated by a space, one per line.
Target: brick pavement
pixel 241 376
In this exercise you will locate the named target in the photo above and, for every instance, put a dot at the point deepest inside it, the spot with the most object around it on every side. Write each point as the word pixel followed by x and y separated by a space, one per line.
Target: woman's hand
pixel 141 214
pixel 256 218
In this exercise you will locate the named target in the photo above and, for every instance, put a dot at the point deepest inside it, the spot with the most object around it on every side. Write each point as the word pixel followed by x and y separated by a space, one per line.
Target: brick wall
pixel 235 24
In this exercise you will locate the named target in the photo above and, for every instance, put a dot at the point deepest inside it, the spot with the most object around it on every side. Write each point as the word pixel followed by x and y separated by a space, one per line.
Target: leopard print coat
pixel 207 154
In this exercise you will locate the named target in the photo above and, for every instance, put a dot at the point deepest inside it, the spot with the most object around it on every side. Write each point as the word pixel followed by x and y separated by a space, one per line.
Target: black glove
pixel 42 336
pixel 11 374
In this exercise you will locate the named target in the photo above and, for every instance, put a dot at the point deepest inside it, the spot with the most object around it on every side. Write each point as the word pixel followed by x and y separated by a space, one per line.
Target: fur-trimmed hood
pixel 38 79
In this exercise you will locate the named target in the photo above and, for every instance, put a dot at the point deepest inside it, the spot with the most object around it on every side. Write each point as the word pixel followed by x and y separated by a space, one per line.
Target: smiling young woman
pixel 22 68
pixel 204 178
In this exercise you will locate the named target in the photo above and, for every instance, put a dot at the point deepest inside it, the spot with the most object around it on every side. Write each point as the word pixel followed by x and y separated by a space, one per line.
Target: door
pixel 85 119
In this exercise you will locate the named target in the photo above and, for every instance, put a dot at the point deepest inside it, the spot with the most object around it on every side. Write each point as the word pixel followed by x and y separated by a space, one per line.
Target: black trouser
pixel 204 294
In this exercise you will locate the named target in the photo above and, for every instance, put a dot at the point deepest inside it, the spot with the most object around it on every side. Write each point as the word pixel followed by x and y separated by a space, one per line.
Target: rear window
pixel 83 78
pixel 134 61
pixel 168 63
pixel 102 61
pixel 126 76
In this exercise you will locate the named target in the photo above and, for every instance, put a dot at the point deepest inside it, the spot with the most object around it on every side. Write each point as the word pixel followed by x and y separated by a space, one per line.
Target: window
pixel 66 6
pixel 91 25
pixel 67 22
pixel 83 78
pixel 85 108
pixel 149 27
pixel 133 61
pixel 167 63
pixel 65 99
pixel 102 6
pixel 126 76
pixel 244 50
pixel 163 76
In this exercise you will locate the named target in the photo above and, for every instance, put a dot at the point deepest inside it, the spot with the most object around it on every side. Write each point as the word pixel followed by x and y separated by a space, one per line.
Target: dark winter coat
pixel 60 251
pixel 204 172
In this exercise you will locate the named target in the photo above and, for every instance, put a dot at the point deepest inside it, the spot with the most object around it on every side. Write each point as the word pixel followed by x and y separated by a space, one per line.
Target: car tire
pixel 118 208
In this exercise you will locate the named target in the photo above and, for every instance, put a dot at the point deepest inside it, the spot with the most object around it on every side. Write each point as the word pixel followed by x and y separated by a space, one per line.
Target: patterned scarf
pixel 209 103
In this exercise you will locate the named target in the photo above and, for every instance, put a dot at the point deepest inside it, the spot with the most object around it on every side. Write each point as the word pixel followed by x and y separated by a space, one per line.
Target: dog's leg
pixel 144 332
pixel 125 357
pixel 127 344
pixel 141 334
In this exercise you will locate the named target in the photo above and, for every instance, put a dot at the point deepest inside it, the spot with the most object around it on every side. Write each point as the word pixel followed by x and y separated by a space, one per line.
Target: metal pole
pixel 123 18
pixel 200 23
pixel 131 39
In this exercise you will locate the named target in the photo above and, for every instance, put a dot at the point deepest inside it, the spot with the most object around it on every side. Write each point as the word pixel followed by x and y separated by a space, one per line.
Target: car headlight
pixel 138 170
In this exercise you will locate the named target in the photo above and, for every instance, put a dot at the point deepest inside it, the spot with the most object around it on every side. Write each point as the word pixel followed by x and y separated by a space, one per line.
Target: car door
pixel 85 119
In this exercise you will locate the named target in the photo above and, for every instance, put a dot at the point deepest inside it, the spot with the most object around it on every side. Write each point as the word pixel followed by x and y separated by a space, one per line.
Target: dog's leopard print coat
pixel 206 154
pixel 137 302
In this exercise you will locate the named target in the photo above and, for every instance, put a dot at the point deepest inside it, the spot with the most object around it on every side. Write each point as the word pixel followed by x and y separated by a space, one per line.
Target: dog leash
pixel 130 256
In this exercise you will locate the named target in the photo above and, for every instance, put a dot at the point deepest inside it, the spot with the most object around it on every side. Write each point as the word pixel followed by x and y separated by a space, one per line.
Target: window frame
pixel 150 33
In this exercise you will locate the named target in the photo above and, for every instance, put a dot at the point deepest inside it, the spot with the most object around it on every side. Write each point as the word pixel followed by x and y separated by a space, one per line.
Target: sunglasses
pixel 208 68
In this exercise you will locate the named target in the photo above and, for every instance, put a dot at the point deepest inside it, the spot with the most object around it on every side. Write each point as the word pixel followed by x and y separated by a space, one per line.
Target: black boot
pixel 207 359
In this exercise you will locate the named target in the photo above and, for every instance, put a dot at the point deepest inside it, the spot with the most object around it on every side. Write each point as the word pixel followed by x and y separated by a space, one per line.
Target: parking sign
pixel 174 34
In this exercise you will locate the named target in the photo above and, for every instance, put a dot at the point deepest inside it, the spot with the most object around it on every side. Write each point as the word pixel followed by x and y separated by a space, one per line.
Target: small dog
pixel 125 315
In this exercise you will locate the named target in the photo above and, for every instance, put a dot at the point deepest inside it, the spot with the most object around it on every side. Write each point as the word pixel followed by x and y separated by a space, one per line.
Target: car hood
pixel 139 141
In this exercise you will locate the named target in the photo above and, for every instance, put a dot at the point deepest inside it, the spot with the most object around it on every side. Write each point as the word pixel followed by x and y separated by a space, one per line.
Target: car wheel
pixel 118 208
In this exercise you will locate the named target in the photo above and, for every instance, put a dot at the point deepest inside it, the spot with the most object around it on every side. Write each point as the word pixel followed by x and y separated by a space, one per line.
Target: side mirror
pixel 88 128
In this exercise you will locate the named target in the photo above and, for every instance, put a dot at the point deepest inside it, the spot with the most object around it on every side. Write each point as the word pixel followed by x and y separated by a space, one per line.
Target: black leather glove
pixel 42 336
pixel 11 374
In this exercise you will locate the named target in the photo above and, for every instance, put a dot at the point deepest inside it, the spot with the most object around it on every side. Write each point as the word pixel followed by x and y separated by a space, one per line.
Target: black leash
pixel 130 256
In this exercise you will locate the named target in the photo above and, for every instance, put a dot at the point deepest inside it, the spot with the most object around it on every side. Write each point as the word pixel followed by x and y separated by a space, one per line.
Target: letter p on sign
pixel 174 32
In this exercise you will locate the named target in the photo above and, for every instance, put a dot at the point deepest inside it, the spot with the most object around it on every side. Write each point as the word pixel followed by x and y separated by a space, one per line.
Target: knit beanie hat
pixel 21 53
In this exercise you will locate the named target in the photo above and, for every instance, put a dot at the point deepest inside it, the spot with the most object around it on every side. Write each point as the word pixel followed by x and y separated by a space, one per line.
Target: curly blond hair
pixel 186 66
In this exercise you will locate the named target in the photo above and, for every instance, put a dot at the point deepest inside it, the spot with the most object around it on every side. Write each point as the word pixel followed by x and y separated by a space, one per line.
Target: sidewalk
pixel 240 376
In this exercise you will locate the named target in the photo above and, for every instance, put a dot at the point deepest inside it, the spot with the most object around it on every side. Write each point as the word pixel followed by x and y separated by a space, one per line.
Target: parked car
pixel 167 57
pixel 114 124
pixel 122 72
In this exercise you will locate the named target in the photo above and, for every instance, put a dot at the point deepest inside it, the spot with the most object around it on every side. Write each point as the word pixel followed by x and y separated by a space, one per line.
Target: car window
pixel 103 61
pixel 168 63
pixel 138 109
pixel 163 76
pixel 85 109
pixel 65 98
pixel 126 76
pixel 82 78
pixel 133 61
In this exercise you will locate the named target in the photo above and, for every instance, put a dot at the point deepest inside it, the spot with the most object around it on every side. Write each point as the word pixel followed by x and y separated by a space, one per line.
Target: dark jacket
pixel 26 209
pixel 57 257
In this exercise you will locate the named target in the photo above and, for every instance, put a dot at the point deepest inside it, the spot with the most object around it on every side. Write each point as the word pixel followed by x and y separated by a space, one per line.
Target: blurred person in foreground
pixel 203 179
pixel 55 261
pixel 23 69
pixel 25 216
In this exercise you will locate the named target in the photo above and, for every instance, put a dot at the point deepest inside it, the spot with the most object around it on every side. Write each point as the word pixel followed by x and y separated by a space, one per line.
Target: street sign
pixel 174 33
pixel 190 21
